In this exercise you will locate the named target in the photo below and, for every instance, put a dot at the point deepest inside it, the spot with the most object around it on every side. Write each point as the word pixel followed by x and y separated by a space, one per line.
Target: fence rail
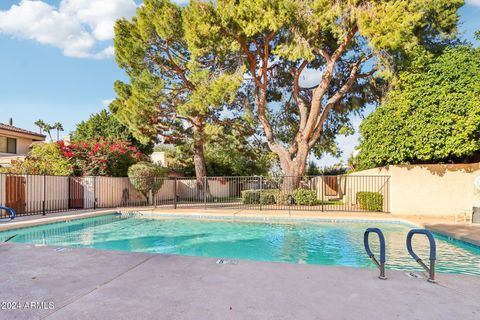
pixel 36 194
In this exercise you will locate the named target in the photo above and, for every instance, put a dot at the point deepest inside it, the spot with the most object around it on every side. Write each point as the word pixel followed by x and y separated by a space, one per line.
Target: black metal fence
pixel 36 194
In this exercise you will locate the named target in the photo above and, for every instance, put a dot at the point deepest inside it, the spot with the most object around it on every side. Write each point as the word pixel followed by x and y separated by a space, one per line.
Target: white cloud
pixel 474 2
pixel 106 102
pixel 77 27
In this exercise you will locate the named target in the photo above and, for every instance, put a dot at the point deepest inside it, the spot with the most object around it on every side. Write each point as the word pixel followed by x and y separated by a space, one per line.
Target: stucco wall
pixel 345 188
pixel 23 145
pixel 434 189
pixel 187 188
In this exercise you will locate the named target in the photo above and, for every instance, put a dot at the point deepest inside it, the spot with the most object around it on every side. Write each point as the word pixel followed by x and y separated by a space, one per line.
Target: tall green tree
pixel 104 126
pixel 347 45
pixel 177 89
pixel 233 150
pixel 432 115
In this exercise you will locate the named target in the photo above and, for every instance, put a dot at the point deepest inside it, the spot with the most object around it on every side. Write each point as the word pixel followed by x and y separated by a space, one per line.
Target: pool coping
pixel 453 237
pixel 56 219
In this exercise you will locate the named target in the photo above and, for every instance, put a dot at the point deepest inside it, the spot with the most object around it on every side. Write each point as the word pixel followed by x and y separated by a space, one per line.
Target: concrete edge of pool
pixel 467 233
pixel 101 284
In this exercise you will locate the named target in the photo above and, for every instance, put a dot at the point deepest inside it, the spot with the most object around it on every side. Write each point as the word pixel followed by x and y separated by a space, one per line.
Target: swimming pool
pixel 324 243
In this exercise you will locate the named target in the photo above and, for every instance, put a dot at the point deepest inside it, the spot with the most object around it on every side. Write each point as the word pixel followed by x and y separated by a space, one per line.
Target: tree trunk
pixel 293 169
pixel 199 161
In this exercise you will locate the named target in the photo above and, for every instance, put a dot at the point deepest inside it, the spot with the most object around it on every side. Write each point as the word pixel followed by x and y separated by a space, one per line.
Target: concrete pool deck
pixel 78 283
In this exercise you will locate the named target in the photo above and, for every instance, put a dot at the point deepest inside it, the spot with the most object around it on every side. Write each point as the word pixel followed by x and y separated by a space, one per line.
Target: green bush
pixel 146 177
pixel 282 198
pixel 301 197
pixel 266 196
pixel 304 197
pixel 250 196
pixel 371 201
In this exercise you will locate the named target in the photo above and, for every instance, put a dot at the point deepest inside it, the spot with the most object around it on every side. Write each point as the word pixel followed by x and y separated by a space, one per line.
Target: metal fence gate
pixel 37 194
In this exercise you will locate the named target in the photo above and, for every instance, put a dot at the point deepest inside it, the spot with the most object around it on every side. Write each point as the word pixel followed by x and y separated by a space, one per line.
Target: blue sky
pixel 56 61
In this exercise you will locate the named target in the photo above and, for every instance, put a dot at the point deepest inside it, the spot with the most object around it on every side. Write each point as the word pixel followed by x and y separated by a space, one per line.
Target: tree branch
pixel 322 88
pixel 253 62
pixel 179 70
pixel 332 101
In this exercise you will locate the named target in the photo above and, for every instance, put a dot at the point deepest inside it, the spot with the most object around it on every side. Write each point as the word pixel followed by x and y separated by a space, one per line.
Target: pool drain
pixel 413 275
pixel 226 261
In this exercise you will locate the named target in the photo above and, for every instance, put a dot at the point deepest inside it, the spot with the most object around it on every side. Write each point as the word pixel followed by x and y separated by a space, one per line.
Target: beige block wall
pixel 167 191
pixel 110 192
pixel 187 188
pixel 434 189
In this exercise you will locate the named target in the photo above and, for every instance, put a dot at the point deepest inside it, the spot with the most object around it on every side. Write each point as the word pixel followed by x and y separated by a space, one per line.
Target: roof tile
pixel 20 130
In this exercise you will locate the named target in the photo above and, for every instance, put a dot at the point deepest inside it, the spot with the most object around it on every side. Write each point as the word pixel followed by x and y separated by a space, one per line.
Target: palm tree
pixel 48 128
pixel 40 124
pixel 59 127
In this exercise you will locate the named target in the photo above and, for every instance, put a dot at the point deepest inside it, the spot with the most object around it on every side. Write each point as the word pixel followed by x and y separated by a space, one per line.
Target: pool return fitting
pixel 10 211
pixel 380 264
pixel 433 252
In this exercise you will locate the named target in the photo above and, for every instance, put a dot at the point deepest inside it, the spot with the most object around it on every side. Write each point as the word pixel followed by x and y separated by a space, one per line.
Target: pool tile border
pixel 53 220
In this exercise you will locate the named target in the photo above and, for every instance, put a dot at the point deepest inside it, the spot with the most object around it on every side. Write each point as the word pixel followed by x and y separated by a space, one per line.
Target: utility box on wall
pixel 476 215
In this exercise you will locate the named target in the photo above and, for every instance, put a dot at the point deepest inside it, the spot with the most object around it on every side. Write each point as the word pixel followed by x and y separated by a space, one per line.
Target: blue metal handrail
pixel 433 251
pixel 11 211
pixel 380 264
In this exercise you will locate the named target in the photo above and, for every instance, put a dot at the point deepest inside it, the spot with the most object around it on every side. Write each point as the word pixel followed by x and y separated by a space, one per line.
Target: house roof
pixel 22 131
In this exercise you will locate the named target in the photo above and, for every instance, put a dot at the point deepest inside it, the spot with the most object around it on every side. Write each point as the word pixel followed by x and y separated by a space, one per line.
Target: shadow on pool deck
pixel 96 284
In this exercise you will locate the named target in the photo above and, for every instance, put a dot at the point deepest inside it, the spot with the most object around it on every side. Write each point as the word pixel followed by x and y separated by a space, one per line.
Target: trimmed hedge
pixel 265 196
pixel 251 196
pixel 371 201
pixel 304 197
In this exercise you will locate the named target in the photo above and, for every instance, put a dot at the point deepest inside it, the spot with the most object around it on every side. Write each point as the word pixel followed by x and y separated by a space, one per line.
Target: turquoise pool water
pixel 326 243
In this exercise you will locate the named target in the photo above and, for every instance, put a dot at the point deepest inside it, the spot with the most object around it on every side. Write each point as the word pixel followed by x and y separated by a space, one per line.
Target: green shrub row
pixel 371 201
pixel 301 197
pixel 266 196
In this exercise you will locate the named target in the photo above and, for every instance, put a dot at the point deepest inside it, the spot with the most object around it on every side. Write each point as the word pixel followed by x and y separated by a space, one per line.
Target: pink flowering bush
pixel 100 158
